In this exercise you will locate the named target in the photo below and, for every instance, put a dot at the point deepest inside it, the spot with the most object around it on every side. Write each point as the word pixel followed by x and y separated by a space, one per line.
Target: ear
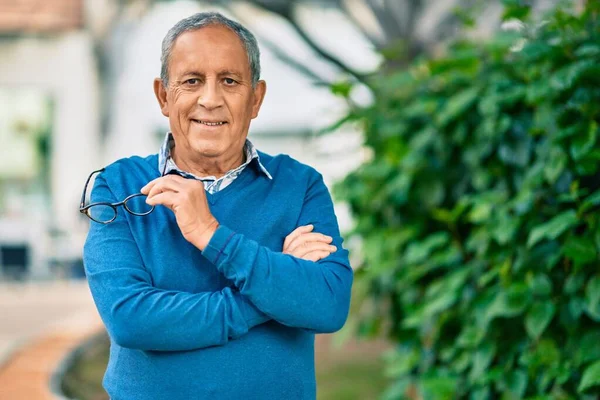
pixel 161 95
pixel 259 95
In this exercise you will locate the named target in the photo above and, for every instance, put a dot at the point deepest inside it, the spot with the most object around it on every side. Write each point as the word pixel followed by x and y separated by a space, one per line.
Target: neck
pixel 204 166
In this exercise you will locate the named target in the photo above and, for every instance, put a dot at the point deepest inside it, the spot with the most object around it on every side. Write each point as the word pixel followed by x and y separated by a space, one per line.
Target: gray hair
pixel 201 20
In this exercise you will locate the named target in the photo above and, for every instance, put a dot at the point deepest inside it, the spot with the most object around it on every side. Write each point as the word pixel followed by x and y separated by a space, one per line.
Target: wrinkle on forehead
pixel 209 50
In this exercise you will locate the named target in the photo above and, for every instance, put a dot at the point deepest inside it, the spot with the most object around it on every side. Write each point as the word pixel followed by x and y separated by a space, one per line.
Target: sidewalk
pixel 40 323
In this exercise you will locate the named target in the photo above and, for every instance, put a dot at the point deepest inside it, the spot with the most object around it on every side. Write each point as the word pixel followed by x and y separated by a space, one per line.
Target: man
pixel 218 290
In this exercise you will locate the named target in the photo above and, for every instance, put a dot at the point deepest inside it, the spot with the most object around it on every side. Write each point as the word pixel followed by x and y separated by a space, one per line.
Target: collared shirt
pixel 212 184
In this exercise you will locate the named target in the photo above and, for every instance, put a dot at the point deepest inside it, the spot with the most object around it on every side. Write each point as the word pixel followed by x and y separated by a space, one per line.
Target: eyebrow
pixel 229 72
pixel 220 73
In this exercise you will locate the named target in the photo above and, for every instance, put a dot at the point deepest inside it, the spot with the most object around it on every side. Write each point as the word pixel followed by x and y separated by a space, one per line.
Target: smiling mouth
pixel 208 123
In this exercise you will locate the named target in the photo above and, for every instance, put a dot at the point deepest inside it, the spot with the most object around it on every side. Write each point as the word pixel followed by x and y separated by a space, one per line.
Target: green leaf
pixel 582 145
pixel 461 363
pixel 402 361
pixel 580 249
pixel 457 104
pixel 480 212
pixel 567 76
pixel 465 16
pixel 573 283
pixel 470 336
pixel 591 201
pixel 441 388
pixel 414 320
pixel 588 348
pixel 592 290
pixel 516 383
pixel 432 192
pixel 541 285
pixel 509 303
pixel 591 377
pixel 504 229
pixel 397 390
pixel 515 11
pixel 537 91
pixel 592 298
pixel 440 303
pixel 576 306
pixel 587 50
pixel 481 360
pixel 341 89
pixel 553 228
pixel 480 394
pixel 538 318
pixel 541 355
pixel 493 374
pixel 555 165
pixel 419 251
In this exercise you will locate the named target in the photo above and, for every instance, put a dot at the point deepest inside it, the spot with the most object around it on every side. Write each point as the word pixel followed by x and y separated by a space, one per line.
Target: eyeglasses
pixel 105 213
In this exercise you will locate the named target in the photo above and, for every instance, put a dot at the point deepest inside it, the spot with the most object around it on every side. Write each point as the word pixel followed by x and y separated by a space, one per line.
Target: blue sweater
pixel 235 321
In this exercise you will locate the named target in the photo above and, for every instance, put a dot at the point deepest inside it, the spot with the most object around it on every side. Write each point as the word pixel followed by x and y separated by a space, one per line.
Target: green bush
pixel 479 215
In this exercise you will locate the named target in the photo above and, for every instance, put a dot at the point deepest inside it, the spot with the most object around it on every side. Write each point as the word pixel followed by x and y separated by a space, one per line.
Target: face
pixel 209 99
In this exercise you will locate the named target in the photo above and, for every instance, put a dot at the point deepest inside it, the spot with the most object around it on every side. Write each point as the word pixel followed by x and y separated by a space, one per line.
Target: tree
pixel 478 215
pixel 393 27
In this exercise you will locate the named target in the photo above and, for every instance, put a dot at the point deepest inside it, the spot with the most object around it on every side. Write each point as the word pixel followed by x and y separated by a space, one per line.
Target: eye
pixel 192 81
pixel 229 81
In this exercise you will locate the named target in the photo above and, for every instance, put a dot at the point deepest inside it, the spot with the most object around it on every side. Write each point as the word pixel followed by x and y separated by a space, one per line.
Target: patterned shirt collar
pixel 211 183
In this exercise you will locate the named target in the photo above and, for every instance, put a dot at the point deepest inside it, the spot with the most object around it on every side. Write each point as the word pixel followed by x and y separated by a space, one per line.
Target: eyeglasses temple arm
pixel 85 187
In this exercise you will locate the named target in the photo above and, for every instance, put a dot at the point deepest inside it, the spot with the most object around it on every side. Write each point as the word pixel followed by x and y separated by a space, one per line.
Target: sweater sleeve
pixel 295 292
pixel 138 315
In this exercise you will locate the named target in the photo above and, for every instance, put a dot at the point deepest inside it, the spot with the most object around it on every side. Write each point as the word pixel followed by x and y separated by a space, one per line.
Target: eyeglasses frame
pixel 85 209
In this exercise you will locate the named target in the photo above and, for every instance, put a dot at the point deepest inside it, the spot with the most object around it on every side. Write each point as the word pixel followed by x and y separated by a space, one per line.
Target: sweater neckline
pixel 212 198
pixel 242 178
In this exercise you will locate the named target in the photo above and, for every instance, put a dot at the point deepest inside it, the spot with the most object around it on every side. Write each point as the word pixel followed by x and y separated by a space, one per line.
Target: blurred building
pixel 48 128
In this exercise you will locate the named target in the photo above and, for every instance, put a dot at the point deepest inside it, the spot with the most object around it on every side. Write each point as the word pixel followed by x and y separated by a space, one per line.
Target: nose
pixel 210 97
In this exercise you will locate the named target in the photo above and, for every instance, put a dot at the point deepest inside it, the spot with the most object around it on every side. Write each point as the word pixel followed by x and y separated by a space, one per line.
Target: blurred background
pixel 76 94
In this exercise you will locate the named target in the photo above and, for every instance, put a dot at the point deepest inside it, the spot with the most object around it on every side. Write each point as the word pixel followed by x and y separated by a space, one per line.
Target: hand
pixel 302 243
pixel 187 199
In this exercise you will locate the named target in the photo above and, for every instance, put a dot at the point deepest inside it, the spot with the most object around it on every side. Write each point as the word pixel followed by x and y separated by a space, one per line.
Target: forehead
pixel 211 48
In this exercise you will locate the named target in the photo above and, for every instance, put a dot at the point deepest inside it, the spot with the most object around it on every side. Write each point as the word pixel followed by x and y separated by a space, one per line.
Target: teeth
pixel 210 123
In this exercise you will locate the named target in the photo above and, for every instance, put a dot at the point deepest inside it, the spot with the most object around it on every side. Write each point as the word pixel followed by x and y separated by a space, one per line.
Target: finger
pixel 167 199
pixel 309 237
pixel 313 246
pixel 158 189
pixel 167 178
pixel 297 232
pixel 148 186
pixel 303 247
pixel 316 255
pixel 301 252
pixel 165 185
pixel 310 247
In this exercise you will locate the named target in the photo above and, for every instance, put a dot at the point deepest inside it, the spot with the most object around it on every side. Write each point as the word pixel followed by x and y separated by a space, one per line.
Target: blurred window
pixel 25 133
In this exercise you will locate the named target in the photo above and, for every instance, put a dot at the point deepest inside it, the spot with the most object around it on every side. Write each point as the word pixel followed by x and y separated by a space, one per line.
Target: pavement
pixel 40 324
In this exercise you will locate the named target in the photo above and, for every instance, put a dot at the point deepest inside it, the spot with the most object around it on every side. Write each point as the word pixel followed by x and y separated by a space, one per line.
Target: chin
pixel 208 150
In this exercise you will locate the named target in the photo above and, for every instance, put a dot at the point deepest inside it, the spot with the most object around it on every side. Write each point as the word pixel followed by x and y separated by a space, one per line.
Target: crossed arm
pixel 296 292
